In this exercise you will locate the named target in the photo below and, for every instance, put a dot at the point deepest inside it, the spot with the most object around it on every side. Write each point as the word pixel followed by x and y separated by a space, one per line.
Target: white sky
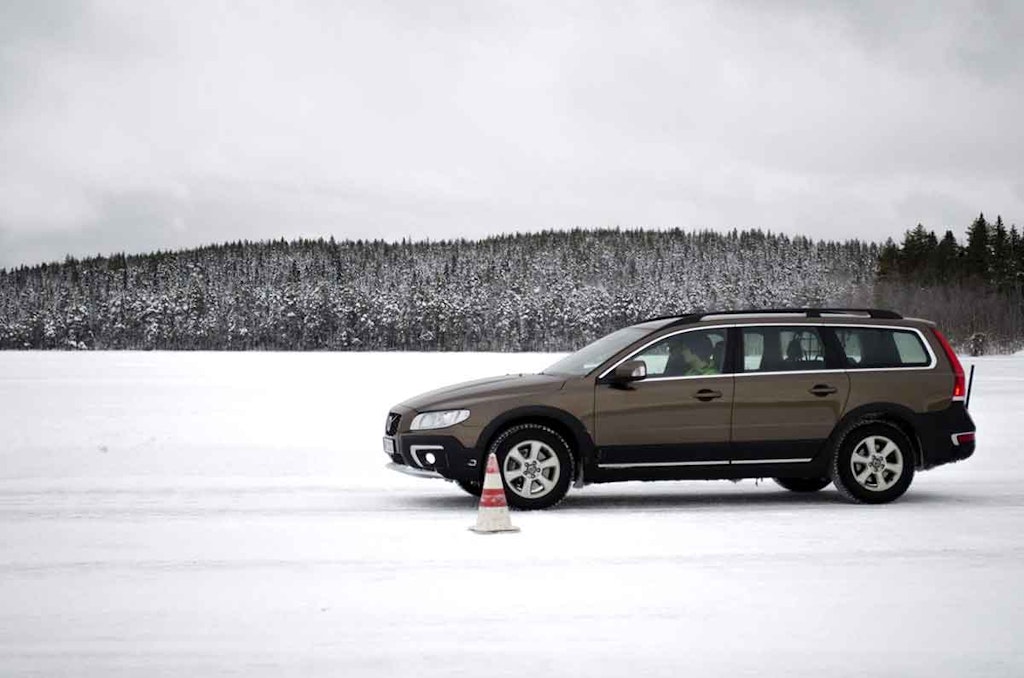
pixel 128 125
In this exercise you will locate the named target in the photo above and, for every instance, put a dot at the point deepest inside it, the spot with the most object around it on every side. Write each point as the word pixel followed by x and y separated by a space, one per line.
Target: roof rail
pixel 876 313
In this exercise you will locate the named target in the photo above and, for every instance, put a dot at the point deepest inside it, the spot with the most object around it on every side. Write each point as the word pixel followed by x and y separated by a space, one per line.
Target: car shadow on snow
pixel 750 496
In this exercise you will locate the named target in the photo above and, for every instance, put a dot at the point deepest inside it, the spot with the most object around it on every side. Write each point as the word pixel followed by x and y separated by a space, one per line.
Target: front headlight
pixel 442 419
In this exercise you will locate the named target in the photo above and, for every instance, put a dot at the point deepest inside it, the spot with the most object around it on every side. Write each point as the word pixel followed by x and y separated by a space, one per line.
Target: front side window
pixel 687 354
pixel 782 349
pixel 873 347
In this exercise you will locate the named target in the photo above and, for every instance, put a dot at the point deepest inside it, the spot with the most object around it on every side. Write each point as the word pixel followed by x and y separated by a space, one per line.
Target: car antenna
pixel 970 383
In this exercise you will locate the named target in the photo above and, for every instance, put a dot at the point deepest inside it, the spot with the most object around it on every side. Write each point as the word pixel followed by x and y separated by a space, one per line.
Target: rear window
pixel 870 347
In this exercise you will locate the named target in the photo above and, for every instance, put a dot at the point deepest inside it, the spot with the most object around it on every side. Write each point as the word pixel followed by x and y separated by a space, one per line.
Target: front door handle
pixel 822 390
pixel 706 395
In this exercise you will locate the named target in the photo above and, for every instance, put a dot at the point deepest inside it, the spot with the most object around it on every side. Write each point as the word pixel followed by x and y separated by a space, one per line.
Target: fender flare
pixel 584 442
pixel 881 410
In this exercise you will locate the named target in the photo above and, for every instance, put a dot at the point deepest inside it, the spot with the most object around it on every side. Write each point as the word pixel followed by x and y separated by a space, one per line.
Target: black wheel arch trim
pixel 541 413
pixel 904 417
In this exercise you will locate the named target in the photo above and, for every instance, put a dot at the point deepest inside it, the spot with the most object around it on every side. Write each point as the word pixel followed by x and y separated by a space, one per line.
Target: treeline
pixel 975 289
pixel 549 291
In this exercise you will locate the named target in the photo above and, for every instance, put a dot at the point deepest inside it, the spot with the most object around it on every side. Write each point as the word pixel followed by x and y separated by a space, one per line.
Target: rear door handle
pixel 822 390
pixel 706 394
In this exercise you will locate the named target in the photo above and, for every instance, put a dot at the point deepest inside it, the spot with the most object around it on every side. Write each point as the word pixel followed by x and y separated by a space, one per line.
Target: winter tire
pixel 470 487
pixel 873 463
pixel 536 466
pixel 803 484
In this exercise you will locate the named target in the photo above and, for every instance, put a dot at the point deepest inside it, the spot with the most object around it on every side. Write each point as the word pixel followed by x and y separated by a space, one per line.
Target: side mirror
pixel 629 371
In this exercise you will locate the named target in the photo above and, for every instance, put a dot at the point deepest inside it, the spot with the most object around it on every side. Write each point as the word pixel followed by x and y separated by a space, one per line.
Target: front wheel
pixel 873 463
pixel 803 484
pixel 536 465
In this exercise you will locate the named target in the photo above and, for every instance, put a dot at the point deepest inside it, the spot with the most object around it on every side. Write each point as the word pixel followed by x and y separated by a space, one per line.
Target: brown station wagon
pixel 861 398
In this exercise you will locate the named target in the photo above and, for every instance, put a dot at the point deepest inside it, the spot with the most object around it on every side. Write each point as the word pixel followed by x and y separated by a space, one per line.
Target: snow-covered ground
pixel 200 514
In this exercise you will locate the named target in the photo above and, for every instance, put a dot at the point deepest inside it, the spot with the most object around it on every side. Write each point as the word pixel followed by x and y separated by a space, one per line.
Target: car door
pixel 679 415
pixel 789 394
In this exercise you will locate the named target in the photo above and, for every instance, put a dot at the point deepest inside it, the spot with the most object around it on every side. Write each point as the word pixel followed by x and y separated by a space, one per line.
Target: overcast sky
pixel 135 125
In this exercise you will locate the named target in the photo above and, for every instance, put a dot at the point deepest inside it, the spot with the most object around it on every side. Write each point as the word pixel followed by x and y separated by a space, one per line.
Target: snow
pixel 229 514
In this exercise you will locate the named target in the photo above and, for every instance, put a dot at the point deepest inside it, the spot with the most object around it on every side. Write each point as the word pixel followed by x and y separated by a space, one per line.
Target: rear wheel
pixel 873 463
pixel 803 484
pixel 536 465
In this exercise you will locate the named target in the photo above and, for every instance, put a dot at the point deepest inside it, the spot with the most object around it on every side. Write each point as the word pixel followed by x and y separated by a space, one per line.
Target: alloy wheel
pixel 531 469
pixel 876 463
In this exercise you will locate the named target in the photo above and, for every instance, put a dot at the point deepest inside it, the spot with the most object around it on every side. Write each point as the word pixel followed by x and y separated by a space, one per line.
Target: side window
pixel 910 349
pixel 872 347
pixel 686 354
pixel 782 349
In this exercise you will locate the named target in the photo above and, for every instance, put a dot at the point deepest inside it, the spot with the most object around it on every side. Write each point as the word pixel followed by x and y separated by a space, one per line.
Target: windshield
pixel 590 356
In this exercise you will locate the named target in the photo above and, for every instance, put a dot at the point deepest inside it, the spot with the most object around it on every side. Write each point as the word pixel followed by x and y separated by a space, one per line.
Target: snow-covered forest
pixel 549 291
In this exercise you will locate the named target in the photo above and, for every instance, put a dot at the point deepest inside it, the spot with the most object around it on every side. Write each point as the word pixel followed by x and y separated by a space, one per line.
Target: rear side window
pixel 782 349
pixel 870 347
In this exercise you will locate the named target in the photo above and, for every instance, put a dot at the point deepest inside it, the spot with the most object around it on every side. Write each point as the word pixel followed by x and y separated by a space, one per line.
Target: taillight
pixel 959 382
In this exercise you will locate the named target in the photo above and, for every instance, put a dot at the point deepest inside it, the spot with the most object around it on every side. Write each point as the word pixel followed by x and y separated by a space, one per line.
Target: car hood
pixel 464 395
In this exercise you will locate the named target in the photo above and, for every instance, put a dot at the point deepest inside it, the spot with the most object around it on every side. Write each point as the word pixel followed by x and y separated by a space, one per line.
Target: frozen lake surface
pixel 199 514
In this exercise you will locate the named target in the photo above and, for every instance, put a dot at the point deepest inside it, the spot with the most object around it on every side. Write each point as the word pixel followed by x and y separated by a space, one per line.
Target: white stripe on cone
pixel 492 516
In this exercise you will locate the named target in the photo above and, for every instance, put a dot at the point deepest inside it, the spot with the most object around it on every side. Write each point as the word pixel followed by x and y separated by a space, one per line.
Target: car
pixel 859 398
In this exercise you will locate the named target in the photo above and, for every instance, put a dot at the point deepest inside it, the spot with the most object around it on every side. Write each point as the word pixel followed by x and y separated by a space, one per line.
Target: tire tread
pixel 516 428
pixel 837 480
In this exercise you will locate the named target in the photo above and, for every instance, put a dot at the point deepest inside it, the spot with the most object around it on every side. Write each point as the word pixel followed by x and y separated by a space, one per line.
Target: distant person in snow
pixel 977 343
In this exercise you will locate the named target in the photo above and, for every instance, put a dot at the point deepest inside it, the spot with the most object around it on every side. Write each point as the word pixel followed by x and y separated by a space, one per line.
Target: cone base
pixel 493 530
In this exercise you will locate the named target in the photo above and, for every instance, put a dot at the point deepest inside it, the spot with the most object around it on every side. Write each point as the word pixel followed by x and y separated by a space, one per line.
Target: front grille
pixel 391 427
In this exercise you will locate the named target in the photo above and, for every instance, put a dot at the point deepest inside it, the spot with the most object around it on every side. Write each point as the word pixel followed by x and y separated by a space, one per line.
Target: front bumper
pixel 433 456
pixel 416 472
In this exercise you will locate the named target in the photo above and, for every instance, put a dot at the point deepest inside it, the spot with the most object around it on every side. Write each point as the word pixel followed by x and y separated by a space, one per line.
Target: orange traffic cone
pixel 492 515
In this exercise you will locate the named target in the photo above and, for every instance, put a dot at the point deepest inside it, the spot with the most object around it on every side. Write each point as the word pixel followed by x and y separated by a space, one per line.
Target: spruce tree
pixel 1016 256
pixel 944 267
pixel 918 249
pixel 1000 268
pixel 977 258
pixel 889 259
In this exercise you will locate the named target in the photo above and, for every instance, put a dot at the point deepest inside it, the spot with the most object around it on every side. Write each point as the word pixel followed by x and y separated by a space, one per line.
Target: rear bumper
pixel 434 456
pixel 941 442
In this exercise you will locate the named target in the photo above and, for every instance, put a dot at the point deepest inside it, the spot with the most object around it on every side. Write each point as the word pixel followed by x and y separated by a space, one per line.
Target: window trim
pixel 730 370
pixel 631 354
pixel 832 326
